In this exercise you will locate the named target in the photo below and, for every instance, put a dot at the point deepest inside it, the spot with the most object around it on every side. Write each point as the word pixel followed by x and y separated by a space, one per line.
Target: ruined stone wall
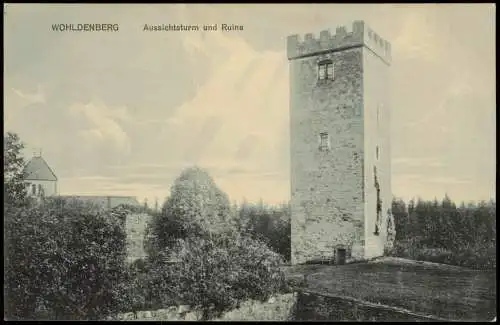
pixel 172 313
pixel 136 228
pixel 276 308
pixel 327 186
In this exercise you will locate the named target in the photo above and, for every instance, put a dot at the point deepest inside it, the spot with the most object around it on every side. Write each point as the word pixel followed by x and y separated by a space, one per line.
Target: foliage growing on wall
pixel 379 202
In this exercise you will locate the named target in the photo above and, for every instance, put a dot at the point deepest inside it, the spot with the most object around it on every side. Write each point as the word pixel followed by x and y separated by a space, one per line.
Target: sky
pixel 123 113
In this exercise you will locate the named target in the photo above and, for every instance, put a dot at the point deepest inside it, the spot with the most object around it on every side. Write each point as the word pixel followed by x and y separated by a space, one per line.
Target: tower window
pixel 325 70
pixel 33 189
pixel 376 152
pixel 324 142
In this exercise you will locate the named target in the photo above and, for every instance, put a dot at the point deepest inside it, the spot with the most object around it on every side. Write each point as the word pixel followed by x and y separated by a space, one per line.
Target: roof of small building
pixel 37 169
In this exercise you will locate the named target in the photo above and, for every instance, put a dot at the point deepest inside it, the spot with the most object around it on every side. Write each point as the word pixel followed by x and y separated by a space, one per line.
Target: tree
pixel 196 207
pixel 156 205
pixel 13 164
pixel 442 232
pixel 400 218
pixel 270 224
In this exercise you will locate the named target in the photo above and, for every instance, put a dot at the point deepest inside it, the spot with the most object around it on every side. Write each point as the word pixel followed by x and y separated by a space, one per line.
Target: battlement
pixel 359 35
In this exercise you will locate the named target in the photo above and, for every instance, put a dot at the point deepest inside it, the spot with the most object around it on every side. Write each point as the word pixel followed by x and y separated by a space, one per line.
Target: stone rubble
pixel 172 313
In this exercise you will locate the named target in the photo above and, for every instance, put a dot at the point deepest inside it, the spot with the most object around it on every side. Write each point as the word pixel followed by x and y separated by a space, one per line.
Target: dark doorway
pixel 341 255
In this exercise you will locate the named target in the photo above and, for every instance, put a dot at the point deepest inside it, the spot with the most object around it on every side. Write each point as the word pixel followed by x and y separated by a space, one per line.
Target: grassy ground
pixel 314 306
pixel 430 289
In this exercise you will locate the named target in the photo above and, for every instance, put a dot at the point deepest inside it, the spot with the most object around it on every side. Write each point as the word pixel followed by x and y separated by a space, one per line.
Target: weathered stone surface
pixel 128 316
pixel 192 316
pixel 172 313
pixel 147 314
pixel 135 227
pixel 184 309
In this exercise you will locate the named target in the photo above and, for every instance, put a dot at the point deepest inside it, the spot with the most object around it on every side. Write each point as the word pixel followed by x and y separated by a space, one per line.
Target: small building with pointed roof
pixel 39 177
pixel 41 181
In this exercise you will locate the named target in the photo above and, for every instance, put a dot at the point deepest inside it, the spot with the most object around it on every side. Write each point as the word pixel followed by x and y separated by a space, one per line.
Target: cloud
pixel 38 97
pixel 220 100
pixel 448 180
pixel 16 101
pixel 417 38
pixel 103 125
pixel 89 178
pixel 239 114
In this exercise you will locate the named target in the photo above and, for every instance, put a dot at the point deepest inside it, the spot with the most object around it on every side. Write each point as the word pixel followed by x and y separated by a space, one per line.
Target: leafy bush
pixel 196 207
pixel 217 273
pixel 64 260
pixel 270 224
pixel 13 169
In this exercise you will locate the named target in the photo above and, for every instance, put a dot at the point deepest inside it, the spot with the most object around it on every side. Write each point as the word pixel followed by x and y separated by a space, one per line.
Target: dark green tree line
pixel 444 232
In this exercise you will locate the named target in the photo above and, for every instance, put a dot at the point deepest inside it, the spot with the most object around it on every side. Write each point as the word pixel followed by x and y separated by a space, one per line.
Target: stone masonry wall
pixel 327 186
pixel 136 227
pixel 377 138
pixel 334 197
pixel 277 308
pixel 173 313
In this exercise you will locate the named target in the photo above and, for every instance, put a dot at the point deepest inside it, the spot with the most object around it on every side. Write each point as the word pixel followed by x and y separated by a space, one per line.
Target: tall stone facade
pixel 340 145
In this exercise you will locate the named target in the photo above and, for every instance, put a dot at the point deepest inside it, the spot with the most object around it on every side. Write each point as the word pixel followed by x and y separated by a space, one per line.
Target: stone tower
pixel 340 145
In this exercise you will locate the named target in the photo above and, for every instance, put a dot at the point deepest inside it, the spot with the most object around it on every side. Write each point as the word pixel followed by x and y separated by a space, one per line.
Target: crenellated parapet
pixel 360 34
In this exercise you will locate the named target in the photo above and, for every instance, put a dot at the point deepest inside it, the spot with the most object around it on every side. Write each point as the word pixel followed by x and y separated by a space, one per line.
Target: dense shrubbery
pixel 271 224
pixel 196 207
pixel 63 260
pixel 198 257
pixel 218 273
pixel 444 233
